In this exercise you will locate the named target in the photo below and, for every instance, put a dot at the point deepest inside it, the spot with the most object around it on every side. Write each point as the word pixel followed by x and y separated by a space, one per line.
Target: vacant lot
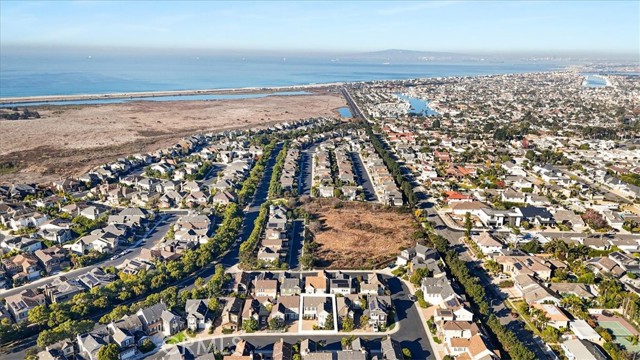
pixel 70 140
pixel 354 235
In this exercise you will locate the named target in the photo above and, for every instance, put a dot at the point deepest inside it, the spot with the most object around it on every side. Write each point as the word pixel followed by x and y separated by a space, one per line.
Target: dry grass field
pixel 355 235
pixel 69 140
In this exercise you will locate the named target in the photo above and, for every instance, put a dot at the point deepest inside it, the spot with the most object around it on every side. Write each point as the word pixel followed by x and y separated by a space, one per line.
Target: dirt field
pixel 359 235
pixel 69 140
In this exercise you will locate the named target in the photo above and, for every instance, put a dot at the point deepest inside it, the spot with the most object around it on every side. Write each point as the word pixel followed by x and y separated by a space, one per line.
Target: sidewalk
pixel 204 336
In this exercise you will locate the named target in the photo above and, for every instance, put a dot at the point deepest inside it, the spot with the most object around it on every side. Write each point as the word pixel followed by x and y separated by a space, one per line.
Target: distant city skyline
pixel 535 27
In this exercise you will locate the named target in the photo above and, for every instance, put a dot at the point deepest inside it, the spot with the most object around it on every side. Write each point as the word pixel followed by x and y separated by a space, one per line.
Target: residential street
pixel 252 210
pixel 411 333
pixel 363 177
pixel 305 179
pixel 295 246
pixel 495 297
pixel 150 239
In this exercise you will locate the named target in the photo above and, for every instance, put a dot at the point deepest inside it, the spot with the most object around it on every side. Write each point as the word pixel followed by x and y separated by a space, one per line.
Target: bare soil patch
pixel 69 140
pixel 357 235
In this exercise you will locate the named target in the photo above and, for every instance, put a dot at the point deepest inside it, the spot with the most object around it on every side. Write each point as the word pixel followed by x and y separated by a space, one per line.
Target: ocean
pixel 56 73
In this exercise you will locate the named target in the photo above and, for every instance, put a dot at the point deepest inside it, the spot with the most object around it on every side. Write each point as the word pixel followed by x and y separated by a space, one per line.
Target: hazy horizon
pixel 88 50
pixel 532 28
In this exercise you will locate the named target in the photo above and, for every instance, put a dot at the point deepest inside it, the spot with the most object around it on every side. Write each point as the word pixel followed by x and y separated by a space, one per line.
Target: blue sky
pixel 459 26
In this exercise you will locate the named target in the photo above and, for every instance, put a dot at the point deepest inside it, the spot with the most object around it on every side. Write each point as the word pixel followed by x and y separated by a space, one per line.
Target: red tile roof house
pixel 456 197
pixel 442 156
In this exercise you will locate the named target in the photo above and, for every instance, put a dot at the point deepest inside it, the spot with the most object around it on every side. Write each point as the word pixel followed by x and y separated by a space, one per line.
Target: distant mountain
pixel 410 56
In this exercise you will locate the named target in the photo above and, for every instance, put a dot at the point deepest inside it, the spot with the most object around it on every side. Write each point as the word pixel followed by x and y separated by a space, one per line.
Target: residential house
pixel 316 308
pixel 199 316
pixel 474 348
pixel 62 289
pixel 374 284
pixel 97 277
pixel 231 315
pixel 537 215
pixel 61 350
pixel 390 349
pixel 533 292
pixel 151 318
pixel 340 283
pixel 557 318
pixel 125 340
pixel 437 291
pixel 265 287
pixel 290 286
pixel 21 244
pixel 578 349
pixel 287 308
pixel 282 351
pixel 241 283
pixel 89 344
pixel 316 284
pixel 378 309
pixel 20 304
pixel 584 331
pixel 488 244
pixel 53 259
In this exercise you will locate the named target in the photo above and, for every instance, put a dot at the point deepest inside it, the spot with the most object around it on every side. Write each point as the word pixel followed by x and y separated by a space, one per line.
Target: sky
pixel 544 27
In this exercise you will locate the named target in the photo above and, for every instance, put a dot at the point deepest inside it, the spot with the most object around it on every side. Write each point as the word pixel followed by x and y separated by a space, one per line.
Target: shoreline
pixel 162 93
pixel 4 101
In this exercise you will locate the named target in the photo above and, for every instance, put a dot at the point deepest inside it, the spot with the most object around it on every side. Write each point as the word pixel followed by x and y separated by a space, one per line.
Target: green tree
pixel 147 345
pixel 328 323
pixel 306 260
pixel 39 315
pixel 493 266
pixel 347 324
pixel 250 325
pixel 551 334
pixel 467 225
pixel 406 353
pixel 531 247
pixel 109 352
pixel 213 304
pixel 276 324
pixel 418 275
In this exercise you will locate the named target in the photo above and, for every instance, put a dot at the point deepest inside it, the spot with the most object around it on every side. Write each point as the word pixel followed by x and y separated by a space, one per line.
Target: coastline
pixel 152 94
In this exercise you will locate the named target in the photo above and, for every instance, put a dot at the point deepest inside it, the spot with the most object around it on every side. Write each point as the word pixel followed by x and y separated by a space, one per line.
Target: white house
pixel 488 244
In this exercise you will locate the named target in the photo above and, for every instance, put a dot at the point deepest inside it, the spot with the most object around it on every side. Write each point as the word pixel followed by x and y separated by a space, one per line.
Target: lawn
pixel 177 338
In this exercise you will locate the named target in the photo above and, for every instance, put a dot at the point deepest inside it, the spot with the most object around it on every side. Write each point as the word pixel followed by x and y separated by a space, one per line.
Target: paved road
pixel 363 177
pixel 411 333
pixel 295 245
pixel 252 210
pixel 305 180
pixel 494 295
pixel 150 239
pixel 355 110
